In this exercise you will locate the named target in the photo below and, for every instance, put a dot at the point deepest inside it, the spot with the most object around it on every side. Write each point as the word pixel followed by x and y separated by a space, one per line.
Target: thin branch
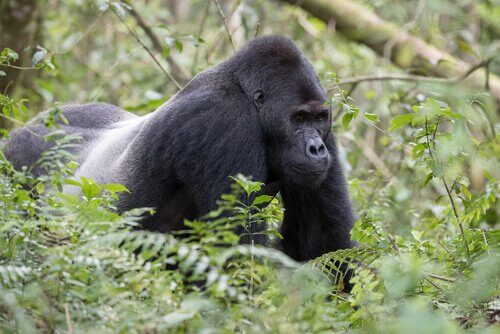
pixel 448 192
pixel 82 36
pixel 177 71
pixel 7 87
pixel 483 63
pixel 68 319
pixel 427 279
pixel 351 90
pixel 486 241
pixel 344 97
pixel 136 37
pixel 375 160
pixel 406 147
pixel 110 69
pixel 206 11
pixel 434 284
pixel 19 67
pixel 462 232
pixel 223 16
pixel 217 40
pixel 447 250
pixel 363 25
pixel 387 53
pixel 58 53
pixel 257 27
pixel 394 245
pixel 442 278
pixel 390 77
pixel 13 120
pixel 415 78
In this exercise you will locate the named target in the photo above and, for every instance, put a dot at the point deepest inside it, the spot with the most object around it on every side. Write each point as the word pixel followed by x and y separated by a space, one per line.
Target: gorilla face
pixel 306 161
pixel 296 125
pixel 303 158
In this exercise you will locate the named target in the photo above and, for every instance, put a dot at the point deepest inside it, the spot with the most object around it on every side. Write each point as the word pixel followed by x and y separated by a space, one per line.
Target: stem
pixel 20 123
pixel 167 74
pixel 68 319
pixel 200 31
pixel 455 212
pixel 223 16
pixel 177 71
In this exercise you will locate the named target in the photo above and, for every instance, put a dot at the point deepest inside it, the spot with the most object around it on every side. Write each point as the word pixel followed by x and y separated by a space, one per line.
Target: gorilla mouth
pixel 311 172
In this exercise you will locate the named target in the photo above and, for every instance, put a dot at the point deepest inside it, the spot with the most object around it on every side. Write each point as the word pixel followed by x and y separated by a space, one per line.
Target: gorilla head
pixel 291 104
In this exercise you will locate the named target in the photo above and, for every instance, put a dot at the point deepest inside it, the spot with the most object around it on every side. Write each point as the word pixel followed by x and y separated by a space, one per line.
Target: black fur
pixel 260 113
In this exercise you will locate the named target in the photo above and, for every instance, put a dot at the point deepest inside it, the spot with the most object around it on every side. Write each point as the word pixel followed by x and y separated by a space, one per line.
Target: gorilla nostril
pixel 316 149
pixel 313 150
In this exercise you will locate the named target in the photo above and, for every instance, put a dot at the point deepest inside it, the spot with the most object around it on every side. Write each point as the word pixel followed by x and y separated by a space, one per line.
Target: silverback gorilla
pixel 261 113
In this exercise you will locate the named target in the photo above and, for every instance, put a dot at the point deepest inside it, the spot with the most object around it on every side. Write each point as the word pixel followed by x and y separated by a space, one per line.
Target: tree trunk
pixel 406 51
pixel 16 33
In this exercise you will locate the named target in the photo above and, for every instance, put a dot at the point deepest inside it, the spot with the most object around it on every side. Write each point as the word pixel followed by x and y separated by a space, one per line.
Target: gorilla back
pixel 261 113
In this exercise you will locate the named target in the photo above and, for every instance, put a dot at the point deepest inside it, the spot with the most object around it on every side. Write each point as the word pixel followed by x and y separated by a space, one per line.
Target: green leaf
pixel 465 191
pixel 179 46
pixel 248 185
pixel 317 23
pixel 274 233
pixel 371 117
pixel 370 94
pixel 50 66
pixel 73 182
pixel 90 188
pixel 174 318
pixel 418 150
pixel 400 121
pixel 163 26
pixel 166 51
pixel 346 120
pixel 262 199
pixel 417 234
pixel 40 188
pixel 427 179
pixel 8 55
pixel 115 187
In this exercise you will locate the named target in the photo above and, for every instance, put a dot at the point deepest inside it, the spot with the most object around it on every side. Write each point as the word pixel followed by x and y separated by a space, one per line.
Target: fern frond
pixel 331 263
pixel 13 274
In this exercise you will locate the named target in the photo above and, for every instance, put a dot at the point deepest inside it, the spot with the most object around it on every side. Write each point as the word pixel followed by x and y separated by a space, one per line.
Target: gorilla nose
pixel 315 149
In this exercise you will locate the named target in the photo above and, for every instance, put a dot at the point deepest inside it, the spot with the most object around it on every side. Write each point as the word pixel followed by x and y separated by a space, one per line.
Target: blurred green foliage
pixel 421 159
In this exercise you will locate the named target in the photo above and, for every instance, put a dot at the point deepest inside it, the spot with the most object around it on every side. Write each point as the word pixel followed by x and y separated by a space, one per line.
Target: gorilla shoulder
pixel 91 115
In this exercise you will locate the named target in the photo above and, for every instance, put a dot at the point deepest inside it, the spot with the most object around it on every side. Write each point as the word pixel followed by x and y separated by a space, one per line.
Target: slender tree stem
pixel 223 16
pixel 448 192
pixel 136 37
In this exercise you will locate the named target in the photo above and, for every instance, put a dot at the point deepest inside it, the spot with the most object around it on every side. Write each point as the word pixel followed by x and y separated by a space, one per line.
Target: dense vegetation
pixel 421 157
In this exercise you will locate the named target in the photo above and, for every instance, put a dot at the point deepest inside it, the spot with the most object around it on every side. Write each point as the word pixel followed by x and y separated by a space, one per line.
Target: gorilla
pixel 261 113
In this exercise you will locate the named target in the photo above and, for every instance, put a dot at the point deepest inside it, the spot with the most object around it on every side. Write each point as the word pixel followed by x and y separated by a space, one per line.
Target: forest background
pixel 415 91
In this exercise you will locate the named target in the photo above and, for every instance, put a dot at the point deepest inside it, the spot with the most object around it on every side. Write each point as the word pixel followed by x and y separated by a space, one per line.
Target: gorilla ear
pixel 258 99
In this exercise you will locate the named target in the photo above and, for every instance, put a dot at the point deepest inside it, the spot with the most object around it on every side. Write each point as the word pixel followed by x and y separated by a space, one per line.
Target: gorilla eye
pixel 299 118
pixel 258 98
pixel 321 116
